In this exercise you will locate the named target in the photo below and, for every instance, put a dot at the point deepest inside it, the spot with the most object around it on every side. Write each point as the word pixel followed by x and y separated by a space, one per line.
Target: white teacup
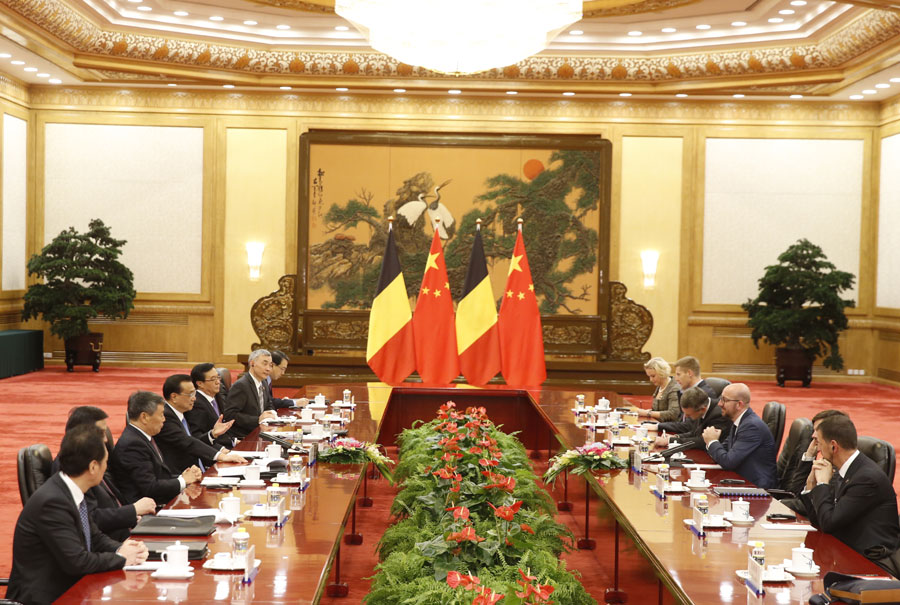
pixel 320 399
pixel 317 430
pixel 176 556
pixel 306 414
pixel 740 510
pixel 318 416
pixel 273 451
pixel 230 505
pixel 802 558
pixel 251 473
pixel 698 477
pixel 603 403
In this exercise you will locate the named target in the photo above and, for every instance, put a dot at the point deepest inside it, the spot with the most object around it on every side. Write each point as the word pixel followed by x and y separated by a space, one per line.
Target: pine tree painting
pixel 554 203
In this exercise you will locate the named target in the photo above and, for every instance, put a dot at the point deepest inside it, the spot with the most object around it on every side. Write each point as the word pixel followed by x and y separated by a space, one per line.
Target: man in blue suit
pixel 749 450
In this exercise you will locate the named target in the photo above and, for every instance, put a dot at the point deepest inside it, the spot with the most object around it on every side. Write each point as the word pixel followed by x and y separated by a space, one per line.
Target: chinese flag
pixel 433 324
pixel 521 338
pixel 389 351
pixel 477 336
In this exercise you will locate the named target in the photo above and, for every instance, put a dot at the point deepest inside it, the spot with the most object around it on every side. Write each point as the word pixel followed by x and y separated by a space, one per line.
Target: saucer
pixel 768 576
pixel 248 483
pixel 696 487
pixel 803 573
pixel 723 525
pixel 164 573
pixel 228 565
pixel 680 490
pixel 729 516
pixel 288 480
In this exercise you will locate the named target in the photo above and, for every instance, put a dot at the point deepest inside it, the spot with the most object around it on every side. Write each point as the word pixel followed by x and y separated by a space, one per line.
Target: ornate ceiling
pixel 705 48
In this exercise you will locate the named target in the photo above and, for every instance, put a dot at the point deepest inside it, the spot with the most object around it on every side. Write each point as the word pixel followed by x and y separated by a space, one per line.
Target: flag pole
pixel 478 224
pixel 519 221
pixel 390 223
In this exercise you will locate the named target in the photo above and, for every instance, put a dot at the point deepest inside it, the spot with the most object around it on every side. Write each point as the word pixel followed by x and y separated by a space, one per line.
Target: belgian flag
pixel 477 337
pixel 390 350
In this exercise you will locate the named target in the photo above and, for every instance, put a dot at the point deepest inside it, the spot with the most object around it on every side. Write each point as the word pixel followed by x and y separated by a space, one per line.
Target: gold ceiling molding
pixel 308 6
pixel 148 53
pixel 13 90
pixel 452 112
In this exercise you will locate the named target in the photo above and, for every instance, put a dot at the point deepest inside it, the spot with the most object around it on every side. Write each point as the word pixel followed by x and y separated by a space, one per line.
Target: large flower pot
pixel 84 350
pixel 793 364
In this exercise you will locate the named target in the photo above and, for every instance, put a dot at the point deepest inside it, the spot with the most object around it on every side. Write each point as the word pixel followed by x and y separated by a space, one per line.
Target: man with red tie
pixel 138 466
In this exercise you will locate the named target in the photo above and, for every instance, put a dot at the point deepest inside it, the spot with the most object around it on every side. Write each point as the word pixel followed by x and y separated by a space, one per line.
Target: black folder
pixel 151 525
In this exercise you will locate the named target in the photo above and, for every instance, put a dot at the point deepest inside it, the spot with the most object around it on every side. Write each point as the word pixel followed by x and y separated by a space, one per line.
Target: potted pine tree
pixel 82 279
pixel 799 310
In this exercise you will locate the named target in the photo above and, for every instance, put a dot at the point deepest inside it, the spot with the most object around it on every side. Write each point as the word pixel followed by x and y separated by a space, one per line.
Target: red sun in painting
pixel 532 168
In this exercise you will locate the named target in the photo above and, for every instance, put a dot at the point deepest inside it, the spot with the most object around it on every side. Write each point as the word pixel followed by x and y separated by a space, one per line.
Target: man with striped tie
pixel 248 402
pixel 180 449
pixel 56 542
pixel 206 419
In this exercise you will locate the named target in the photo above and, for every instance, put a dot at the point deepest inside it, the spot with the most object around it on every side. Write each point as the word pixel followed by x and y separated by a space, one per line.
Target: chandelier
pixel 459 36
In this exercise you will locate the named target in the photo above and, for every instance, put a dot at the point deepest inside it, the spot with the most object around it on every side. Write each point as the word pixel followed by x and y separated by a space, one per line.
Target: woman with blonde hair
pixel 665 406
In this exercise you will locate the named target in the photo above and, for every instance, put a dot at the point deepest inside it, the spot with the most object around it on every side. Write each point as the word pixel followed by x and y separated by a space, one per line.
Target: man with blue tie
pixel 205 418
pixel 749 450
pixel 56 542
pixel 180 449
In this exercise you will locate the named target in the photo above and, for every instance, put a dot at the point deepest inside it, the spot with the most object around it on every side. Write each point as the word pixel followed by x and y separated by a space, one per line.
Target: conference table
pixel 300 561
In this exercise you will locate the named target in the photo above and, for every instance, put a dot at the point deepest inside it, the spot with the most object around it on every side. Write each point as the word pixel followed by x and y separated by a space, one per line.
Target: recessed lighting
pixel 249 22
pixel 55 81
pixel 786 11
pixel 703 26
pixel 5 55
pixel 227 85
pixel 171 84
pixel 454 91
pixel 798 3
pixel 669 30
pixel 776 20
pixel 136 1
pixel 42 75
pixel 512 92
pixel 624 94
pixel 216 18
pixel 576 32
pixel 738 96
pixel 282 26
pixel 284 87
pixel 18 62
pixel 342 89
pixel 568 93
pixel 738 23
pixel 856 97
pixel 635 33
pixel 341 28
pixel 796 96
pixel 882 85
pixel 181 13
pixel 31 69
pixel 870 91
pixel 145 9
pixel 681 95
pixel 399 90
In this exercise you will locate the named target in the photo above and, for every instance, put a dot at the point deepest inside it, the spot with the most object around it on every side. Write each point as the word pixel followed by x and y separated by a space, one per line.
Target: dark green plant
pixel 799 304
pixel 82 279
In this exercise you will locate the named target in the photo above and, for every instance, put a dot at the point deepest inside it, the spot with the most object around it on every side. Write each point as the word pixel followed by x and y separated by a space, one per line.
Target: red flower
pixel 507 484
pixel 460 512
pixel 450 456
pixel 475 450
pixel 506 512
pixel 487 597
pixel 445 473
pixel 486 462
pixel 525 577
pixel 455 487
pixel 454 579
pixel 526 527
pixel 466 534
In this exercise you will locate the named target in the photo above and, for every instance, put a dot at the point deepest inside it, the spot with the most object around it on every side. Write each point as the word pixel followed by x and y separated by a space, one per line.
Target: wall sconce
pixel 254 258
pixel 649 261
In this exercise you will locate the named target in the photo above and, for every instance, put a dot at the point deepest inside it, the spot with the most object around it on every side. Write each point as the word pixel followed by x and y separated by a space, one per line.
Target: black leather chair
pixel 34 465
pixel 224 380
pixel 879 451
pixel 718 385
pixel 774 416
pixel 797 442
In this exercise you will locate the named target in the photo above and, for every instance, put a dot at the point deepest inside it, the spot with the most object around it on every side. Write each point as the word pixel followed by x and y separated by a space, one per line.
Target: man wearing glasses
pixel 205 418
pixel 180 449
pixel 750 448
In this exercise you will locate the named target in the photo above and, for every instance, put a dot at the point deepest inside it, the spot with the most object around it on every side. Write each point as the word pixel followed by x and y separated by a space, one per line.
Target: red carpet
pixel 35 406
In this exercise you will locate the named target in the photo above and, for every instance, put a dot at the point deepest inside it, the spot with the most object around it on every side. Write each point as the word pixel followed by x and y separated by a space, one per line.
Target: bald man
pixel 749 450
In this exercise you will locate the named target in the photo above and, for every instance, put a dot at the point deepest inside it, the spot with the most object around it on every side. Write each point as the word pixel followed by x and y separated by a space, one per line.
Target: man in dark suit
pixel 138 466
pixel 749 449
pixel 106 505
pixel 695 404
pixel 248 401
pixel 687 375
pixel 55 541
pixel 280 363
pixel 206 419
pixel 859 507
pixel 179 448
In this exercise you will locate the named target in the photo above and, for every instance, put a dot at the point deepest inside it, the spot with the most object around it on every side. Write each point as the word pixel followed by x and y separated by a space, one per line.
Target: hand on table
pixel 192 475
pixel 229 456
pixel 662 441
pixel 145 506
pixel 711 434
pixel 266 415
pixel 134 552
